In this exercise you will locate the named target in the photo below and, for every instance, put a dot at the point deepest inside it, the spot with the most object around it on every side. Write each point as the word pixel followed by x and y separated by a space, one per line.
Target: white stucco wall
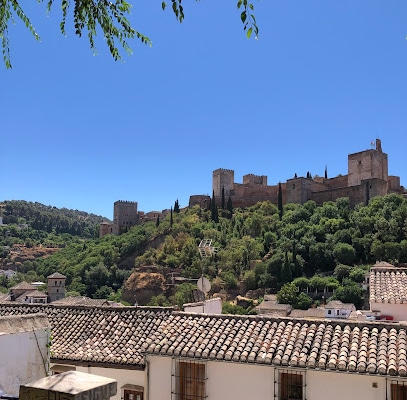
pixel 322 385
pixel 122 376
pixel 245 381
pixel 398 311
pixel 22 359
pixel 212 306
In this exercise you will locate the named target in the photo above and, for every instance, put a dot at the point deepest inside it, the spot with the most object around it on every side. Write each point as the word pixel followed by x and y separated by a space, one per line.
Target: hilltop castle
pixel 126 215
pixel 367 177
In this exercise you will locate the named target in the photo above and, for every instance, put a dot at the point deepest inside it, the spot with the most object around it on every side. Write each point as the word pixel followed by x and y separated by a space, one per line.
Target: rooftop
pixel 342 346
pixel 388 286
pixel 112 335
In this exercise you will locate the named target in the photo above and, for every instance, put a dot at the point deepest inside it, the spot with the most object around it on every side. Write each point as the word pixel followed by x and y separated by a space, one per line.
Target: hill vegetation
pixel 305 246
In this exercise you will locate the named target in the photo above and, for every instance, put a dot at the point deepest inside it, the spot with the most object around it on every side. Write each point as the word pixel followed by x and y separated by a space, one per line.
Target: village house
pixel 337 309
pixel 103 340
pixel 388 292
pixel 24 347
pixel 241 357
pixel 158 353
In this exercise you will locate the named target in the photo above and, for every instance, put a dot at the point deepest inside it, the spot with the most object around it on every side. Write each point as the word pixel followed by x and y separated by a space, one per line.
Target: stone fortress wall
pixel 367 177
pixel 126 215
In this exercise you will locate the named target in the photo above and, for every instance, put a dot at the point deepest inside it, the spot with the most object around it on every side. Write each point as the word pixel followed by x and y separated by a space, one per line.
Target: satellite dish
pixel 203 284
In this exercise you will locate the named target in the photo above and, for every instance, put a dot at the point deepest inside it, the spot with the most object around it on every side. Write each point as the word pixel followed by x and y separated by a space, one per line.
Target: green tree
pixel 110 17
pixel 214 209
pixel 303 302
pixel 287 294
pixel 349 292
pixel 342 271
pixel 176 207
pixel 280 201
pixel 344 253
pixel 230 208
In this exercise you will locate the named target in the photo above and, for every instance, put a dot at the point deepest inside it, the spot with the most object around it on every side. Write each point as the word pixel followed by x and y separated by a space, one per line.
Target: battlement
pixel 367 177
pixel 251 179
pixel 125 202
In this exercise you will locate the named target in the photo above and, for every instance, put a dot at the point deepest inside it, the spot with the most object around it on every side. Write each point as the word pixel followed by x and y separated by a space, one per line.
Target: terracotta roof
pixel 83 301
pixel 310 313
pixel 22 323
pixel 56 275
pixel 363 348
pixel 388 287
pixel 31 293
pixel 338 304
pixel 111 335
pixel 23 286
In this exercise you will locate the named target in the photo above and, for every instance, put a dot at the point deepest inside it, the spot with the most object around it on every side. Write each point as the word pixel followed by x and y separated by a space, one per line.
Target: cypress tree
pixel 158 221
pixel 176 207
pixel 280 201
pixel 326 172
pixel 214 209
pixel 223 197
pixel 230 207
pixel 171 218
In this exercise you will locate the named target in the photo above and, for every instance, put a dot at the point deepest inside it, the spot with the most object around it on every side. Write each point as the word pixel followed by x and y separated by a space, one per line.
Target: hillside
pixel 259 249
pixel 256 247
pixel 50 219
pixel 32 230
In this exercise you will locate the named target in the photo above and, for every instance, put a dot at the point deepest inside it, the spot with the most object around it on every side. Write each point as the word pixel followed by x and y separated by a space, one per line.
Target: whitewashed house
pixel 245 357
pixel 24 350
pixel 208 306
pixel 158 353
pixel 102 340
pixel 337 309
pixel 388 292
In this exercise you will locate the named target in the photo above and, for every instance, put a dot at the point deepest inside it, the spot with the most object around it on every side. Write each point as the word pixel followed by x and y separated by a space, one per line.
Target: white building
pixel 388 292
pixel 24 344
pixel 244 357
pixel 157 353
pixel 337 309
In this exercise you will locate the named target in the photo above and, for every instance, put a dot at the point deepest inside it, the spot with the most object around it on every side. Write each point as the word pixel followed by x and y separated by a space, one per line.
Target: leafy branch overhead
pixel 108 16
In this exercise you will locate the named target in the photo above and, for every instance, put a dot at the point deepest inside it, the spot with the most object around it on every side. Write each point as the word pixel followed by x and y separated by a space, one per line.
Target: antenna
pixel 204 285
pixel 206 250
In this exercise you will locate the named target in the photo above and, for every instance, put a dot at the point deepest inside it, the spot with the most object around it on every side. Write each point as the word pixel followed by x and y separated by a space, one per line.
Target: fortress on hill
pixel 367 177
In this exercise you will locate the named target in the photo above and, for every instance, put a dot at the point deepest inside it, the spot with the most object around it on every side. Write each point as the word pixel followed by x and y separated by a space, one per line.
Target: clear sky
pixel 81 131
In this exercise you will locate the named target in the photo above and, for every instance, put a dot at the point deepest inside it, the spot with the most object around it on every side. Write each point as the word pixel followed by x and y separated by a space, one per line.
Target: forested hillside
pixel 50 219
pixel 264 248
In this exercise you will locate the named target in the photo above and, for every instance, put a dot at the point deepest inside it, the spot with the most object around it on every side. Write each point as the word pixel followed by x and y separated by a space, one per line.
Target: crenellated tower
pixel 223 178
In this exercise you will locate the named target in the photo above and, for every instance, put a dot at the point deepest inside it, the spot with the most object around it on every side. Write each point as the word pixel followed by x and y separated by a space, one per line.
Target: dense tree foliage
pixel 320 249
pixel 51 219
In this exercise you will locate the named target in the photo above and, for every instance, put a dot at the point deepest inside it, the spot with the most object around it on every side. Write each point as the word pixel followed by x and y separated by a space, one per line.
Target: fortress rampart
pixel 367 177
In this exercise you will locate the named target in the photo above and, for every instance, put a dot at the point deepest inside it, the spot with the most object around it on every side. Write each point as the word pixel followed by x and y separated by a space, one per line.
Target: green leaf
pixel 243 16
pixel 163 5
pixel 249 32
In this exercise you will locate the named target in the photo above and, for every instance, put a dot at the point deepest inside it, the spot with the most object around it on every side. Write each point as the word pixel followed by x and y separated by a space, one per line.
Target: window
pixel 290 386
pixel 132 392
pixel 59 369
pixel 189 380
pixel 398 391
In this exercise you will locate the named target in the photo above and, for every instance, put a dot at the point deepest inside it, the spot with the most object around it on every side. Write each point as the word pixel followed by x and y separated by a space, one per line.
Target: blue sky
pixel 81 131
